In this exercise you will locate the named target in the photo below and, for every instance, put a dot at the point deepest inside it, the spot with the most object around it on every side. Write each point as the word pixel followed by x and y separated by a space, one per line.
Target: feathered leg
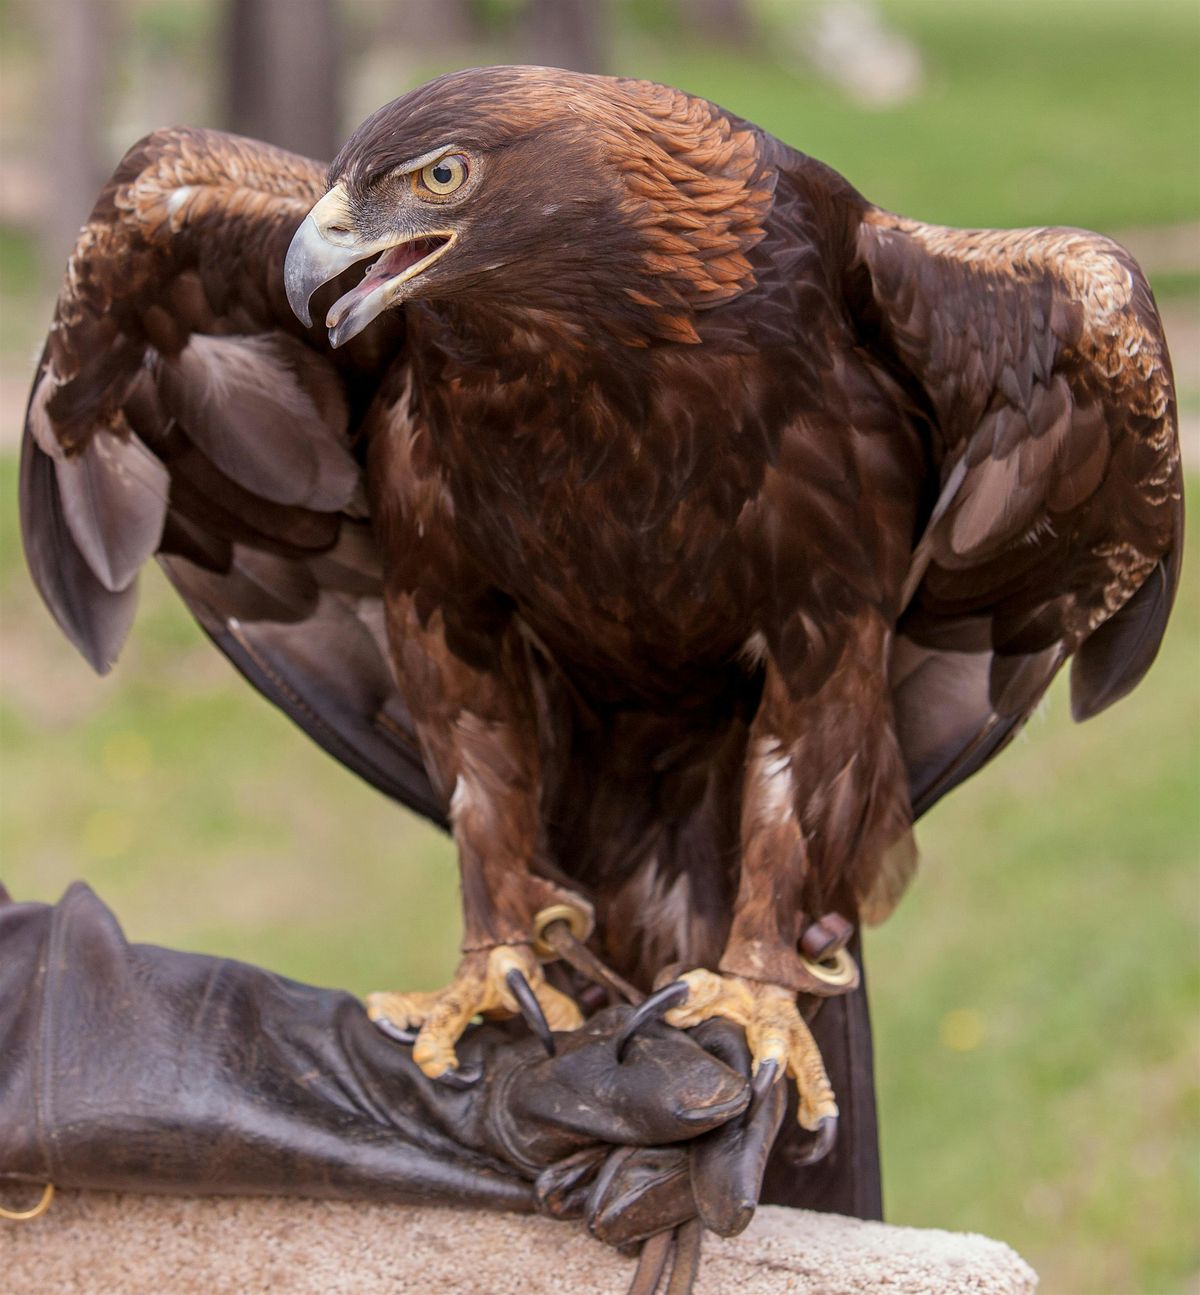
pixel 480 745
pixel 824 798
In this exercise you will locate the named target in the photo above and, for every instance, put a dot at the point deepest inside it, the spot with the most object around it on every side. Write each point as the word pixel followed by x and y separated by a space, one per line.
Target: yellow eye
pixel 445 175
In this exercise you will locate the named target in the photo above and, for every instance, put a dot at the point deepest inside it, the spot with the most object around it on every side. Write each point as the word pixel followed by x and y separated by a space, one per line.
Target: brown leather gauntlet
pixel 134 1067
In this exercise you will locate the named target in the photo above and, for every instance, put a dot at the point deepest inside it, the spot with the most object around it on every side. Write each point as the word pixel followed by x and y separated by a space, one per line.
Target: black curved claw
pixel 461 1078
pixel 764 1080
pixel 822 1143
pixel 384 1026
pixel 657 1005
pixel 531 1009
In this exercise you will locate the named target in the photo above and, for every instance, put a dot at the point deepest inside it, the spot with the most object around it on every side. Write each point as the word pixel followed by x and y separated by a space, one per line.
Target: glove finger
pixel 725 1041
pixel 727 1165
pixel 668 1089
pixel 640 1191
pixel 563 1189
pixel 674 1090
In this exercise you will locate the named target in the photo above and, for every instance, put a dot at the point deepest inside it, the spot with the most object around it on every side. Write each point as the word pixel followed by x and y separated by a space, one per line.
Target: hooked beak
pixel 327 244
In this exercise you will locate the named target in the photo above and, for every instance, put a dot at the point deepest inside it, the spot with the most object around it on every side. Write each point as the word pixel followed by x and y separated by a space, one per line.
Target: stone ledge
pixel 100 1243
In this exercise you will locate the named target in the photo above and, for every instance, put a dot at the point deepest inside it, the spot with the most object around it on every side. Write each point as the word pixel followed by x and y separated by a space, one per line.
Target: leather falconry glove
pixel 133 1067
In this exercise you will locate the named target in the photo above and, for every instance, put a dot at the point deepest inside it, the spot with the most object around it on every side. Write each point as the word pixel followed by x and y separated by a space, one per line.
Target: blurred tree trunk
pixel 78 37
pixel 728 22
pixel 428 24
pixel 283 64
pixel 566 33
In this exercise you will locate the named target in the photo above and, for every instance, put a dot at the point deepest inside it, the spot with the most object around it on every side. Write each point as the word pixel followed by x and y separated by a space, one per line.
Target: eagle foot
pixel 779 1040
pixel 504 980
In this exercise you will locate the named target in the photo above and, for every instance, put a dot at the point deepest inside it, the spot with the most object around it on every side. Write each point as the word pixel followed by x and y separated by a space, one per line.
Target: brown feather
pixel 692 527
pixel 95 619
pixel 114 501
pixel 241 401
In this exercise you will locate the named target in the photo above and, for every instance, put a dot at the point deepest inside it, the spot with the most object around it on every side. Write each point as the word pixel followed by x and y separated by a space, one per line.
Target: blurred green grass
pixel 1036 995
pixel 1035 112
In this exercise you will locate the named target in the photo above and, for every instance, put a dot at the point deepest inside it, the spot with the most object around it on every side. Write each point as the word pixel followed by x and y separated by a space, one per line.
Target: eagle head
pixel 537 187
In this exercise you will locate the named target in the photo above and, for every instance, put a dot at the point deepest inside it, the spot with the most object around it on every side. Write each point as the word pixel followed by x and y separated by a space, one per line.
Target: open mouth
pixel 393 267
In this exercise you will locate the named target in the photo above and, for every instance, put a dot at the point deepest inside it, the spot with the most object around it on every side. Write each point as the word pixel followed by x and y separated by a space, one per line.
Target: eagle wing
pixel 180 411
pixel 1056 529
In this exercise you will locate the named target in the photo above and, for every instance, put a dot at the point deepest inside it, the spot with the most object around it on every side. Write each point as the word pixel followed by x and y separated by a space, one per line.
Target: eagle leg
pixel 776 1034
pixel 483 985
pixel 824 796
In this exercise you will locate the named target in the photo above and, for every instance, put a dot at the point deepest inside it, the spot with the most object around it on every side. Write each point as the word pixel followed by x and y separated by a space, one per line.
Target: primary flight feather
pixel 643 504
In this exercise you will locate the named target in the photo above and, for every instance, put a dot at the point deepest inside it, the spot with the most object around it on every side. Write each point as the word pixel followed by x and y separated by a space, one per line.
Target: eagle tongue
pixel 386 266
pixel 397 259
pixel 355 309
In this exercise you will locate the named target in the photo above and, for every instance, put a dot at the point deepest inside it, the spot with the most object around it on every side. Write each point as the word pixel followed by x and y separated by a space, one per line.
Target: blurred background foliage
pixel 1036 997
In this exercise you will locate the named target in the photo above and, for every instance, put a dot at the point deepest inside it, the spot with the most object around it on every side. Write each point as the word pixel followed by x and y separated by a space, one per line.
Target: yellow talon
pixel 478 988
pixel 775 1031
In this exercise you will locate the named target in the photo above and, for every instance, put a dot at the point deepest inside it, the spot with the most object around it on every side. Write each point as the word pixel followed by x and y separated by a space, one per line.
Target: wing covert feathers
pixel 180 411
pixel 1057 525
pixel 245 403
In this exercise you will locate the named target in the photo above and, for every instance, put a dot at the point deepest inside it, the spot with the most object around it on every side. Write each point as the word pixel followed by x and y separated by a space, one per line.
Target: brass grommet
pixel 575 918
pixel 23 1216
pixel 838 969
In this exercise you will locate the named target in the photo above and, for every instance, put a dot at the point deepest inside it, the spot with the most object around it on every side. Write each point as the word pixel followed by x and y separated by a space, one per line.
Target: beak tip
pixel 341 331
pixel 305 269
pixel 297 294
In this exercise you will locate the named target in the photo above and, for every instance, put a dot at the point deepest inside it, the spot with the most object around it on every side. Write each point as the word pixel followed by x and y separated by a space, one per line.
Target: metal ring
pixel 575 918
pixel 839 969
pixel 23 1216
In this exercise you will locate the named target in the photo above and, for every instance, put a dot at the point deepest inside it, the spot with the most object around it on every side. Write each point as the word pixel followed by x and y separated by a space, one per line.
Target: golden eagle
pixel 655 512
